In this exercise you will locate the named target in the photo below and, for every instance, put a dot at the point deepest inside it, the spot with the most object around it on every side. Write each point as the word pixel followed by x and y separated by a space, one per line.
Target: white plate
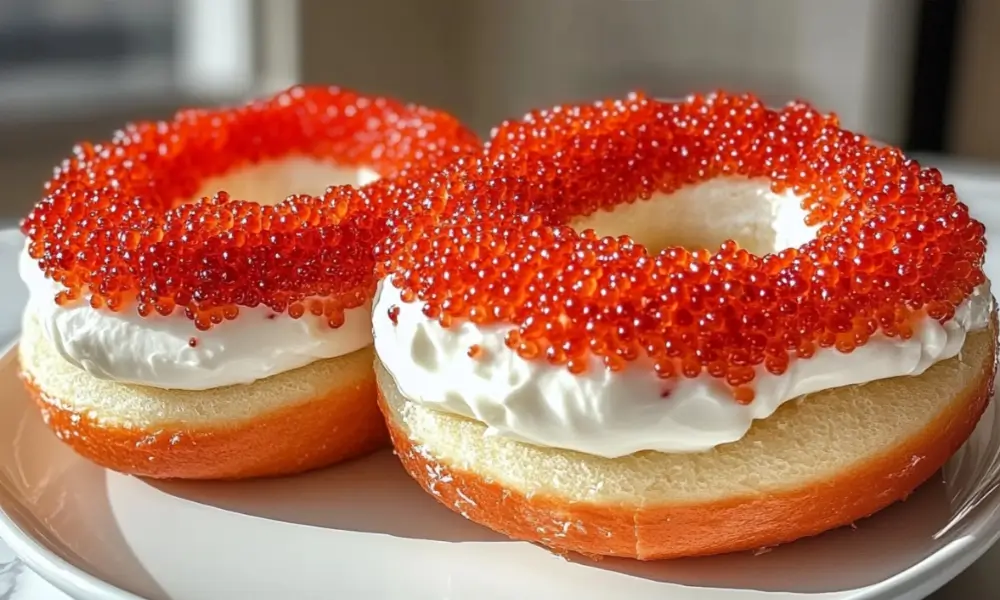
pixel 364 530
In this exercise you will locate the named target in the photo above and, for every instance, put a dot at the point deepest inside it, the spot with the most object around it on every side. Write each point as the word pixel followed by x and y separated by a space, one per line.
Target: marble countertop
pixel 17 582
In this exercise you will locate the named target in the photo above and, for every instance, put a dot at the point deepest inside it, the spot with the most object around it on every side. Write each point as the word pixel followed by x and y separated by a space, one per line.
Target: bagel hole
pixel 270 182
pixel 705 215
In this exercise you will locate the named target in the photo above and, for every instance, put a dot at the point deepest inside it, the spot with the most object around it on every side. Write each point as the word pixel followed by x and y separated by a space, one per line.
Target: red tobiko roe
pixel 894 243
pixel 115 224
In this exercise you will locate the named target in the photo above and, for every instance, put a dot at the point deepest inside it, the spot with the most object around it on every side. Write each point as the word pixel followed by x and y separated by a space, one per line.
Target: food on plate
pixel 188 317
pixel 656 329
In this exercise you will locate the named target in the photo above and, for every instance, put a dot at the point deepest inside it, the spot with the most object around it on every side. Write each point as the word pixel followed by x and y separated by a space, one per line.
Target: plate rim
pixel 924 577
pixel 51 567
pixel 44 562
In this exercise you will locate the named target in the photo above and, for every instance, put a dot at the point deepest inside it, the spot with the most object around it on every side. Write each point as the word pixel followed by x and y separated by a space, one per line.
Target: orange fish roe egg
pixel 893 242
pixel 114 224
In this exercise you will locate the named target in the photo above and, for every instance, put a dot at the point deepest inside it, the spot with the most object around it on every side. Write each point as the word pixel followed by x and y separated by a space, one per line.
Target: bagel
pixel 820 462
pixel 200 288
pixel 313 416
pixel 555 365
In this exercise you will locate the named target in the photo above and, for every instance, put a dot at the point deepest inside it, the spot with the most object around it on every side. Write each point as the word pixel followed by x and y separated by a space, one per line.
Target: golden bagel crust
pixel 646 529
pixel 332 417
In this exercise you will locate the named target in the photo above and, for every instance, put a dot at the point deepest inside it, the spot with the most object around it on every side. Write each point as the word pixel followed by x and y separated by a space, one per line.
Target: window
pixel 61 59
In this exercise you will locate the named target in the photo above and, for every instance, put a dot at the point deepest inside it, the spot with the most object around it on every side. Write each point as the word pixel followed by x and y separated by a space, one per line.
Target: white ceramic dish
pixel 364 530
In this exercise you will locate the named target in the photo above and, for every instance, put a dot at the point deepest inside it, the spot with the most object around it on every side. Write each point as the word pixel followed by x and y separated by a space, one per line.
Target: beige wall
pixel 976 105
pixel 411 50
pixel 488 59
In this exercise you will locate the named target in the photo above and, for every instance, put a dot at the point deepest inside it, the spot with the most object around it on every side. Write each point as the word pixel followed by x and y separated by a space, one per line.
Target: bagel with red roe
pixel 201 287
pixel 661 329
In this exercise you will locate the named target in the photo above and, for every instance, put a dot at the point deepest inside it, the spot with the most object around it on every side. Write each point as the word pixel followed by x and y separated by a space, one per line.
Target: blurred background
pixel 924 74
